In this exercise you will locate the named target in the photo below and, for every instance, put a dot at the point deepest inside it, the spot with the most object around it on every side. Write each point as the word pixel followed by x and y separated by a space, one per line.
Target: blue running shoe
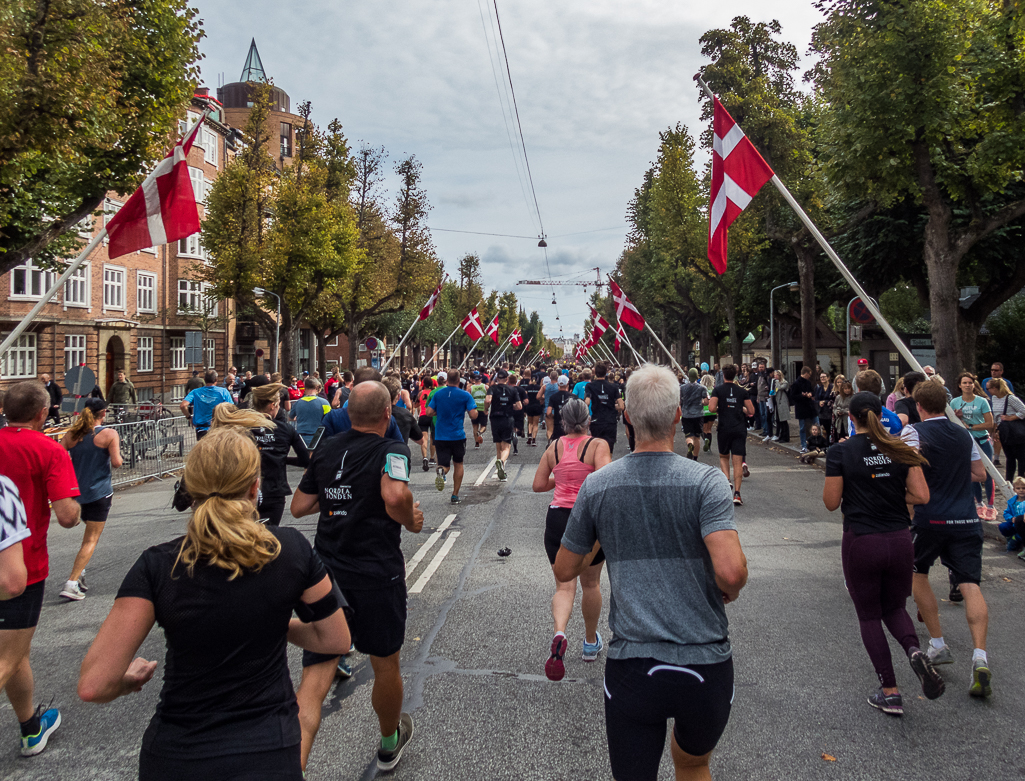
pixel 344 671
pixel 49 720
pixel 591 650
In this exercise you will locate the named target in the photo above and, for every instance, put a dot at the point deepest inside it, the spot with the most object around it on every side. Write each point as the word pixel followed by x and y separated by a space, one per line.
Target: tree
pixel 927 102
pixel 90 94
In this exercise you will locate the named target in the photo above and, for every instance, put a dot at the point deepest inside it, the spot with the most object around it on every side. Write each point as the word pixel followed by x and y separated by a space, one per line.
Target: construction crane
pixel 547 282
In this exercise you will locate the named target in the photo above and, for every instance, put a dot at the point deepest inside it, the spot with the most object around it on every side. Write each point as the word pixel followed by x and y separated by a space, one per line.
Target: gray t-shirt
pixel 692 400
pixel 651 513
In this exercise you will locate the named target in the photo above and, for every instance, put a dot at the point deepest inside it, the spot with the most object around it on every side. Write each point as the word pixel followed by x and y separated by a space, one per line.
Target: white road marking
pixel 483 475
pixel 426 547
pixel 435 563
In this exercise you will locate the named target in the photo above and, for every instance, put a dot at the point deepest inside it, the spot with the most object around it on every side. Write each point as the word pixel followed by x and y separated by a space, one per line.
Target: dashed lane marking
pixel 426 547
pixel 483 475
pixel 435 563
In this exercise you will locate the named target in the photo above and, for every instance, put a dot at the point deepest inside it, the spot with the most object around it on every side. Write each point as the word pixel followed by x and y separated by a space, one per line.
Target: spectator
pixel 1009 415
pixel 974 411
pixel 781 402
pixel 1014 517
pixel 309 411
pixel 897 395
pixel 817 446
pixel 996 372
pixel 931 374
pixel 56 397
pixel 805 409
pixel 122 391
pixel 762 383
pixel 868 380
pixel 194 382
pixel 824 403
pixel 906 408
pixel 202 401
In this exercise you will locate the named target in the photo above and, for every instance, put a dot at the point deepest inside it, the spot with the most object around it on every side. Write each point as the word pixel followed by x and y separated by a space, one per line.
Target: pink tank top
pixel 569 472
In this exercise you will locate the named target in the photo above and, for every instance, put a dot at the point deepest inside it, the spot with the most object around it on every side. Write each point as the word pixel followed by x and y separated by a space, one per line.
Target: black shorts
pixel 450 450
pixel 377 621
pixel 281 764
pixel 959 549
pixel 534 410
pixel 425 422
pixel 501 429
pixel 692 426
pixel 481 421
pixel 732 443
pixel 97 512
pixel 555 527
pixel 22 612
pixel 642 694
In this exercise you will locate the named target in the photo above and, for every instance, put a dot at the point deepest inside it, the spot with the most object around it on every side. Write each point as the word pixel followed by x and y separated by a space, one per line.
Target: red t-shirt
pixel 42 470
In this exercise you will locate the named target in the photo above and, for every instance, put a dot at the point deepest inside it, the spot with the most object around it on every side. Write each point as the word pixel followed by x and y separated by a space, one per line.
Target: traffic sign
pixel 371 343
pixel 79 380
pixel 259 353
pixel 193 347
pixel 860 313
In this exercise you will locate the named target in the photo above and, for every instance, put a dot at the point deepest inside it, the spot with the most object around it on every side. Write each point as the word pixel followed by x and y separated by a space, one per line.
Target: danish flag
pixel 471 325
pixel 600 325
pixel 163 209
pixel 625 311
pixel 516 339
pixel 432 301
pixel 738 173
pixel 492 330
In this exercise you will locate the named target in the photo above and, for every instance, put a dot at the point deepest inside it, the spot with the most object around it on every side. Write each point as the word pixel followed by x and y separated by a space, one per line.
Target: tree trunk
pixel 322 355
pixel 806 275
pixel 944 310
pixel 288 328
pixel 353 337
pixel 707 341
pixel 736 349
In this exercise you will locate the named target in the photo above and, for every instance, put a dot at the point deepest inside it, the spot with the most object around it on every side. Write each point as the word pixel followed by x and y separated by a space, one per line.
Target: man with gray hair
pixel 666 527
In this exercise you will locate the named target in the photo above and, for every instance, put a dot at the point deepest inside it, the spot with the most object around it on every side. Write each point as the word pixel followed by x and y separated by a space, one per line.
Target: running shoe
pixel 955 594
pixel 72 591
pixel 996 461
pixel 555 669
pixel 500 470
pixel 432 462
pixel 939 655
pixel 932 682
pixel 690 450
pixel 591 650
pixel 887 703
pixel 49 720
pixel 427 466
pixel 476 445
pixel 344 671
pixel 747 472
pixel 455 499
pixel 774 439
pixel 81 582
pixel 736 499
pixel 439 480
pixel 708 444
pixel 981 680
pixel 387 760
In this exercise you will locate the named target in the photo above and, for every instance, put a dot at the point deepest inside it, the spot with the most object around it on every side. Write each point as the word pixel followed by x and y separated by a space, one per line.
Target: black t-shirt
pixel 804 407
pixel 274 444
pixel 874 486
pixel 908 407
pixel 556 402
pixel 407 424
pixel 502 399
pixel 603 395
pixel 356 537
pixel 531 401
pixel 227 689
pixel 732 418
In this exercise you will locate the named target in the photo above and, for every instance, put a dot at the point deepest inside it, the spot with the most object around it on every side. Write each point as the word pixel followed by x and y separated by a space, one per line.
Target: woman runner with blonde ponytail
pixel 224 595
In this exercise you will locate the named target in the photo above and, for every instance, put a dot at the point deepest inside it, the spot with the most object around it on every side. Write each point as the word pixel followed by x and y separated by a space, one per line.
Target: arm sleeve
pixel 1015 407
pixel 581 532
pixel 13 521
pixel 834 461
pixel 61 482
pixel 138 582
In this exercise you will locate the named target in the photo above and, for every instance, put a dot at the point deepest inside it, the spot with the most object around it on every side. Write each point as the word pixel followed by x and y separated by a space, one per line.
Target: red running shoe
pixel 555 670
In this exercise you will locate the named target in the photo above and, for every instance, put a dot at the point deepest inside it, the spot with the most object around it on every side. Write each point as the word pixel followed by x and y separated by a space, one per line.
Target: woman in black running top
pixel 873 477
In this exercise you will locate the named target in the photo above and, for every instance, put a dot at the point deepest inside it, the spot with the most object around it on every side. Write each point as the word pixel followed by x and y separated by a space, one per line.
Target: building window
pixel 333 342
pixel 286 139
pixel 145 292
pixel 210 353
pixel 19 361
pixel 177 353
pixel 193 298
pixel 200 186
pixel 31 281
pixel 191 247
pixel 209 141
pixel 76 289
pixel 74 350
pixel 113 287
pixel 144 394
pixel 177 392
pixel 110 208
pixel 144 350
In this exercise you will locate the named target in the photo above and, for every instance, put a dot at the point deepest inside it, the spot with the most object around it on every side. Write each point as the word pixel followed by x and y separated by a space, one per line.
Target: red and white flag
pixel 738 173
pixel 163 209
pixel 472 326
pixel 625 311
pixel 601 325
pixel 516 339
pixel 492 330
pixel 620 334
pixel 432 301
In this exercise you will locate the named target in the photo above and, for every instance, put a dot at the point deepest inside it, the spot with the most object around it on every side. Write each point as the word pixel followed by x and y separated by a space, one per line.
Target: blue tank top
pixel 92 468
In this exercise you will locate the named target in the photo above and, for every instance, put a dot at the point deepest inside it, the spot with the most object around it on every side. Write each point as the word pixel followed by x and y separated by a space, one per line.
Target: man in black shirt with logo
pixel 500 404
pixel 734 406
pixel 603 399
pixel 358 481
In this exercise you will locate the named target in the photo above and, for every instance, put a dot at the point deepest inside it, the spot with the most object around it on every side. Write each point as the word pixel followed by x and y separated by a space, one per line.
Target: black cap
pixel 501 374
pixel 865 400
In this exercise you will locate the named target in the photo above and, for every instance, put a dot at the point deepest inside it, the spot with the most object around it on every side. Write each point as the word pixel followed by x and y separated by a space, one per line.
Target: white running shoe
pixel 72 591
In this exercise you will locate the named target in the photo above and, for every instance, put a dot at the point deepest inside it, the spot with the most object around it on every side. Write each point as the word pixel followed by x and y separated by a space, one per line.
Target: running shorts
pixel 22 612
pixel 534 410
pixel 555 527
pixel 642 694
pixel 282 764
pixel 692 427
pixel 958 549
pixel 97 511
pixel 425 422
pixel 734 443
pixel 377 622
pixel 450 450
pixel 501 429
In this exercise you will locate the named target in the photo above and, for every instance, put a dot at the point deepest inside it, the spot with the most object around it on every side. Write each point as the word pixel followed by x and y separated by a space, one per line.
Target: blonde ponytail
pixel 84 423
pixel 228 415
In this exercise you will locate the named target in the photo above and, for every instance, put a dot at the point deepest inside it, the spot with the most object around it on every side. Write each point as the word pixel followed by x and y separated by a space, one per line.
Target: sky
pixel 595 82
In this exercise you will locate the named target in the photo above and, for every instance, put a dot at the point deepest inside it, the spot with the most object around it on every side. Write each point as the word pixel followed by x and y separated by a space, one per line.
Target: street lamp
pixel 772 321
pixel 277 331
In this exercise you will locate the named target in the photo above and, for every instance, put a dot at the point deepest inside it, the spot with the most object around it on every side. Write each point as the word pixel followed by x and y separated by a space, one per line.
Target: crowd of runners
pixel 238 587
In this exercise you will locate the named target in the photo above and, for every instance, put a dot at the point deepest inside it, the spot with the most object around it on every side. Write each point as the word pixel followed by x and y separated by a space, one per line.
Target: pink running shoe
pixel 555 670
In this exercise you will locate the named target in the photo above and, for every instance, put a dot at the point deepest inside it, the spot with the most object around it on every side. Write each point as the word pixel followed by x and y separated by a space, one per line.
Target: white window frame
pixel 333 342
pixel 21 356
pixel 110 208
pixel 144 354
pixel 111 286
pixel 148 291
pixel 197 300
pixel 177 353
pixel 209 140
pixel 191 247
pixel 31 272
pixel 200 184
pixel 74 350
pixel 82 281
pixel 210 353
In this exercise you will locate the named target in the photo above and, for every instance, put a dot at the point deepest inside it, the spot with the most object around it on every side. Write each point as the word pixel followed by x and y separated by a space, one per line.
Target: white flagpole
pixel 622 333
pixel 998 478
pixel 606 354
pixel 498 352
pixel 399 346
pixel 671 358
pixel 460 325
pixel 524 351
pixel 470 353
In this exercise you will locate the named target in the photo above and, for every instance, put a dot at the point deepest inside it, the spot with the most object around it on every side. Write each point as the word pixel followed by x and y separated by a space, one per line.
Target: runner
pixel 426 422
pixel 227 708
pixel 198 405
pixel 605 405
pixel 519 416
pixel 407 423
pixel 43 474
pixel 948 527
pixel 532 407
pixel 550 389
pixel 667 529
pixel 733 406
pixel 479 391
pixel 501 403
pixel 876 477
pixel 94 449
pixel 555 403
pixel 309 411
pixel 693 401
pixel 448 405
pixel 359 483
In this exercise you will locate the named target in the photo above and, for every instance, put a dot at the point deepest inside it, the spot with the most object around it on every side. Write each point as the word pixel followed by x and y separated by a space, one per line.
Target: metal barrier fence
pixel 151 448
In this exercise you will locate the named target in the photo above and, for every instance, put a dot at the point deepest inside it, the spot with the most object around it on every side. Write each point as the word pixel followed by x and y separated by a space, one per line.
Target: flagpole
pixel 622 332
pixel 671 358
pixel 458 326
pixel 606 353
pixel 470 353
pixel 867 301
pixel 404 338
pixel 524 351
pixel 498 352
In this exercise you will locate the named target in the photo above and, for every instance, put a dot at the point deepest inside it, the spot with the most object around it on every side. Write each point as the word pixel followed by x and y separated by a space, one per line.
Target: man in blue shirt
pixel 869 380
pixel 337 420
pixel 579 390
pixel 309 411
pixel 996 372
pixel 203 400
pixel 449 405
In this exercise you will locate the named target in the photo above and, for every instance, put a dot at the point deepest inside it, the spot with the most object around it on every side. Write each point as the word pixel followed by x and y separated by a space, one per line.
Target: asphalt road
pixel 480 627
